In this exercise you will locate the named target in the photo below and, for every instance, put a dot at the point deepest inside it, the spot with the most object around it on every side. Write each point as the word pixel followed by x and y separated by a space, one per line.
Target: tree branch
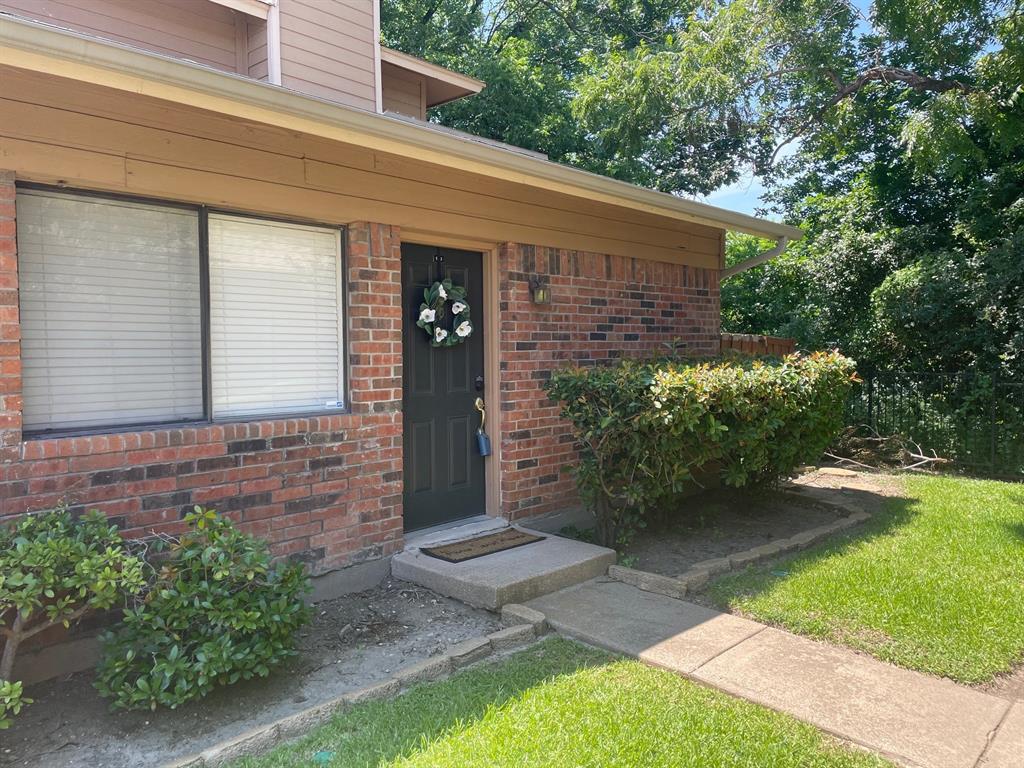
pixel 888 75
pixel 919 83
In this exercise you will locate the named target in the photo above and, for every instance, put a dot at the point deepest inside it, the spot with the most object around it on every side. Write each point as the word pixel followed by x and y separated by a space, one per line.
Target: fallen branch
pixel 874 451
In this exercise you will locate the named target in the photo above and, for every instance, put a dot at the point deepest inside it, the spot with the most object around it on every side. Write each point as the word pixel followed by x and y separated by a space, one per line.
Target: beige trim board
pixel 256 8
pixel 41 48
pixel 492 378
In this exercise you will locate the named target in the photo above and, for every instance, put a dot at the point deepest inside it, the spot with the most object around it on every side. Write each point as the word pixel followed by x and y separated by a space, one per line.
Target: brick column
pixel 374 253
pixel 10 326
pixel 374 261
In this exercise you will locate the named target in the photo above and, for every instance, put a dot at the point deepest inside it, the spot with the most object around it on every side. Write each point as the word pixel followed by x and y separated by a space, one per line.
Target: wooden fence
pixel 753 344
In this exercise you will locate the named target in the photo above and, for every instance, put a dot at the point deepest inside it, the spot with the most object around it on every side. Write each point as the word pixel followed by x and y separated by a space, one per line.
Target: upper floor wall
pixel 329 49
pixel 197 30
pixel 324 48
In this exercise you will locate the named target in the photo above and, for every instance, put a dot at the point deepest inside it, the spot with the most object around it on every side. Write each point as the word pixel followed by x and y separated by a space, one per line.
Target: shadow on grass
pixel 1017 529
pixel 377 733
pixel 889 514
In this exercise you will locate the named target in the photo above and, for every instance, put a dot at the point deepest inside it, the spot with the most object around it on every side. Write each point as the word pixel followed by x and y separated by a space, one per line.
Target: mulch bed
pixel 353 641
pixel 721 523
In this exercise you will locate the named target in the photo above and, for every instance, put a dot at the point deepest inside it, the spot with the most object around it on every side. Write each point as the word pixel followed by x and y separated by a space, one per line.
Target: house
pixel 217 221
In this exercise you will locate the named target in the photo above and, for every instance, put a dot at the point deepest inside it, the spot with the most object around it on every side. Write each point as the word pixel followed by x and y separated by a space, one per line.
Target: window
pixel 113 320
pixel 275 319
pixel 110 312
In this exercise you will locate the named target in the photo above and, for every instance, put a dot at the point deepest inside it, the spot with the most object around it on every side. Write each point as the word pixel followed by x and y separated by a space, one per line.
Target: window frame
pixel 203 212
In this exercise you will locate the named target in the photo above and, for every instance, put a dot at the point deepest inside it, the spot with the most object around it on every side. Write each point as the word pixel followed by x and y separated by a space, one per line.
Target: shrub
pixel 12 699
pixel 647 429
pixel 54 569
pixel 217 611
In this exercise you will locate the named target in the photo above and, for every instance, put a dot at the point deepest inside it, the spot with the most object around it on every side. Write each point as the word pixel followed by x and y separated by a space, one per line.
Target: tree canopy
pixel 891 132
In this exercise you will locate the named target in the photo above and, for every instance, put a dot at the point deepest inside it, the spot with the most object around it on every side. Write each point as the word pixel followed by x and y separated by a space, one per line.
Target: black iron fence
pixel 974 419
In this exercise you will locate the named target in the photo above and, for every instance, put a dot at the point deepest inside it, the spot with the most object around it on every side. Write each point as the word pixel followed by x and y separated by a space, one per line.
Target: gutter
pixel 761 258
pixel 44 48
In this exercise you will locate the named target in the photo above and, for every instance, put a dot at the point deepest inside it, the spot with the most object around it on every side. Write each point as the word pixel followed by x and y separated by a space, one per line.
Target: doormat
pixel 460 551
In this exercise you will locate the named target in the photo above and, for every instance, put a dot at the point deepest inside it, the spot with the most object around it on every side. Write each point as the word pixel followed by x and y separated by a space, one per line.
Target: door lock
pixel 478 382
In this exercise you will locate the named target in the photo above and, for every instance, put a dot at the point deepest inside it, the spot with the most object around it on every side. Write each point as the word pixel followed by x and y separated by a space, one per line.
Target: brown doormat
pixel 460 551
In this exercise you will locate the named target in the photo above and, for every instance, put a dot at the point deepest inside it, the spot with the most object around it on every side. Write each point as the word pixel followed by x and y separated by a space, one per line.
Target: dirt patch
pixel 353 641
pixel 1009 686
pixel 871 489
pixel 724 522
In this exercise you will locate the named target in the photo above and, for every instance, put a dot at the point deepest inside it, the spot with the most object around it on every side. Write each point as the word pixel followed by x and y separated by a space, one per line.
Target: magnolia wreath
pixel 435 308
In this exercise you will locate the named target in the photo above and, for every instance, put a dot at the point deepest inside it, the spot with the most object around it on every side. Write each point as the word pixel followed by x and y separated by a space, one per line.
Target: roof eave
pixel 459 84
pixel 39 47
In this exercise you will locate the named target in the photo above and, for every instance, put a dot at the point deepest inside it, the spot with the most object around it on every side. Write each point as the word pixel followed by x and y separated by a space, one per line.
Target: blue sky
pixel 743 195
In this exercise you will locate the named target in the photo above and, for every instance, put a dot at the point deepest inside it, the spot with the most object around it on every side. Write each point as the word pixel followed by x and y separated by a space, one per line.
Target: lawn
pixel 563 704
pixel 935 582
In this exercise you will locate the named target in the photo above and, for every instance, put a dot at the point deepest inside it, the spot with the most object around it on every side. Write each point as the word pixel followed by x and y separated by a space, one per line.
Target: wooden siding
pixel 257 49
pixel 203 32
pixel 327 50
pixel 87 136
pixel 403 92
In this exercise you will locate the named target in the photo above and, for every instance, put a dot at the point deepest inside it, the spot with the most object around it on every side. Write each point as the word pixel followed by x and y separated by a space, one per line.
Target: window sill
pixel 167 426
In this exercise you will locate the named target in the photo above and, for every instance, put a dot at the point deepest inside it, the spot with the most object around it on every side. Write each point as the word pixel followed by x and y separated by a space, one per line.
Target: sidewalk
pixel 911 718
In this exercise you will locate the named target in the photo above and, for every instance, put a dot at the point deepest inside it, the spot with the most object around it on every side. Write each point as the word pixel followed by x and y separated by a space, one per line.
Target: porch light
pixel 540 293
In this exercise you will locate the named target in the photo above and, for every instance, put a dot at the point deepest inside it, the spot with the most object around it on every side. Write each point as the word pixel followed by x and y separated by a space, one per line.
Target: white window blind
pixel 275 317
pixel 110 311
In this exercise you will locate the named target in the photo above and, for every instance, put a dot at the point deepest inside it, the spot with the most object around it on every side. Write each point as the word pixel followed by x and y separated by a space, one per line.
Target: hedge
pixel 647 430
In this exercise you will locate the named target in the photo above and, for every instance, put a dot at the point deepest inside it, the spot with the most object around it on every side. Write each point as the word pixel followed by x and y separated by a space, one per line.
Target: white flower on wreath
pixel 464 329
pixel 442 292
pixel 440 334
pixel 427 315
pixel 458 307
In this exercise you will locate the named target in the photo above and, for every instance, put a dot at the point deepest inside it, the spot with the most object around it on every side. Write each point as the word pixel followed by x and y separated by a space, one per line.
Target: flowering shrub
pixel 647 429
pixel 217 612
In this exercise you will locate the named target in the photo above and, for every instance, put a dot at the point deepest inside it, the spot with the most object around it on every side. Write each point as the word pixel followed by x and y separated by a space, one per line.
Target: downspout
pixel 761 258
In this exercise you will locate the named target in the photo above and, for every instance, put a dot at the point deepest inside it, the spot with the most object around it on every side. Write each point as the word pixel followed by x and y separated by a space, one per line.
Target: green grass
pixel 562 704
pixel 934 583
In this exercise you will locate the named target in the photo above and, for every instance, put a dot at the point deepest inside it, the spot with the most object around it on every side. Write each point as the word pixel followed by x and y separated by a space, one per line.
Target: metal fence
pixel 974 419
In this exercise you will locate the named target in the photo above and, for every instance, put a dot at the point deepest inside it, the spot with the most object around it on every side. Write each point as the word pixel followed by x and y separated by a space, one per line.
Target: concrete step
pixel 513 576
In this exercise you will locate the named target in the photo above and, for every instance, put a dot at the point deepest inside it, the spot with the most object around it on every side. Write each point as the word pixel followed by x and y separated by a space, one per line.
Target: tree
pixel 904 122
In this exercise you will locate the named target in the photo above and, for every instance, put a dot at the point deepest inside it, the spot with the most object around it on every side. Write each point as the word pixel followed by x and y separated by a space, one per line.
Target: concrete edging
pixel 699 574
pixel 522 627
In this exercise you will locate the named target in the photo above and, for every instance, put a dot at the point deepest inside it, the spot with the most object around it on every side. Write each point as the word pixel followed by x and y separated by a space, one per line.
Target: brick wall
pixel 10 328
pixel 602 308
pixel 326 490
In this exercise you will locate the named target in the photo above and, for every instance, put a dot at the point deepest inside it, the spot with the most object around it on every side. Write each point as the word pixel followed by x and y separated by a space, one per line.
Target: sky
pixel 745 194
pixel 742 196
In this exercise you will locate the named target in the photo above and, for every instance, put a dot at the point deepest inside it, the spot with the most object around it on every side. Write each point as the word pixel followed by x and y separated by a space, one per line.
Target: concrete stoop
pixel 513 576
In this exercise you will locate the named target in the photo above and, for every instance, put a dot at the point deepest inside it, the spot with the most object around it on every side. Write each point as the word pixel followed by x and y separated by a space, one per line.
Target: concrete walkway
pixel 911 718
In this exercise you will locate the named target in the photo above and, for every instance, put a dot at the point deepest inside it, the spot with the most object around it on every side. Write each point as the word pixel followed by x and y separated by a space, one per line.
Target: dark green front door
pixel 444 472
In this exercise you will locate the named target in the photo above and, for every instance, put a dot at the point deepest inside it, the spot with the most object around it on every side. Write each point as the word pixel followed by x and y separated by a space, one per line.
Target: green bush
pixel 12 699
pixel 54 569
pixel 648 430
pixel 217 612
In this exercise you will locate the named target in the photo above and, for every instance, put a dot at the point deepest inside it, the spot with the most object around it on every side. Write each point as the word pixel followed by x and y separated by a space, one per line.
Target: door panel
pixel 444 472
